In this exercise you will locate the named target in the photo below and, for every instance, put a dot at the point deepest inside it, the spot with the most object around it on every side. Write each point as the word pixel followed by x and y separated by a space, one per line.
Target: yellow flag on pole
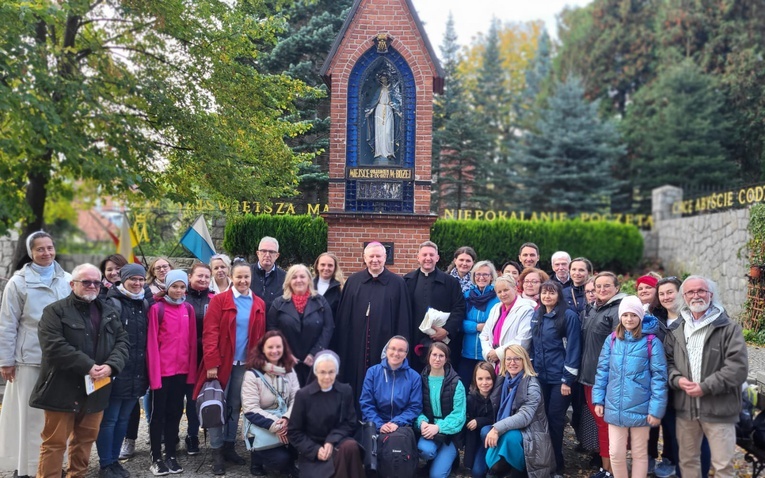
pixel 127 240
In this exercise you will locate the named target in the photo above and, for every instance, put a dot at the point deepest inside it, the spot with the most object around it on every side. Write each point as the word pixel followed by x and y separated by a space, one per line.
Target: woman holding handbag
pixel 268 393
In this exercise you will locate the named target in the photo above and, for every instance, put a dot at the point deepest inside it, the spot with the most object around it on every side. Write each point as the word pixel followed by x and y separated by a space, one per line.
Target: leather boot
pixel 256 468
pixel 229 454
pixel 218 467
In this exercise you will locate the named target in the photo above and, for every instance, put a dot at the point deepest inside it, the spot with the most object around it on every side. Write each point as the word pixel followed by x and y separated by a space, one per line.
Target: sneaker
pixel 158 468
pixel 120 470
pixel 600 474
pixel 173 465
pixel 192 445
pixel 108 472
pixel 651 465
pixel 665 469
pixel 128 449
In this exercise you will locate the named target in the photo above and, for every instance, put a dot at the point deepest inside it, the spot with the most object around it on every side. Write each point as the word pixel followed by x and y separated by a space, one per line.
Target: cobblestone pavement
pixel 199 465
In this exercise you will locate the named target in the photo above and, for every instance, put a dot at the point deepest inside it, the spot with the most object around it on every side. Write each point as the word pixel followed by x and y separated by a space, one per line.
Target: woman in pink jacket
pixel 171 357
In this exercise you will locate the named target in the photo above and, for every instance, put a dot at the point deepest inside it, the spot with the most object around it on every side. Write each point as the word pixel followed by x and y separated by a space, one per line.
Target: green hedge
pixel 301 238
pixel 609 245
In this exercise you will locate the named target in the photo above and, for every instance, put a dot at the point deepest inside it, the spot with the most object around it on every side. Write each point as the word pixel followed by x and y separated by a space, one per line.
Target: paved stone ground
pixel 576 463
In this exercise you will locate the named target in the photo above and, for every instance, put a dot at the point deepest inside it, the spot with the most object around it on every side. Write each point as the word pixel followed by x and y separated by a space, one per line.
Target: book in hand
pixel 93 385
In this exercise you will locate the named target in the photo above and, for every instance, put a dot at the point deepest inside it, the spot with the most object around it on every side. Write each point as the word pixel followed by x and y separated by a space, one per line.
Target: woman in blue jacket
pixel 479 299
pixel 556 345
pixel 392 393
pixel 630 390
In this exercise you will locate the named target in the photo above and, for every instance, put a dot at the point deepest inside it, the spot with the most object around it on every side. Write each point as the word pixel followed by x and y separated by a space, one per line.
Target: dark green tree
pixel 312 26
pixel 567 163
pixel 460 143
pixel 676 130
pixel 537 75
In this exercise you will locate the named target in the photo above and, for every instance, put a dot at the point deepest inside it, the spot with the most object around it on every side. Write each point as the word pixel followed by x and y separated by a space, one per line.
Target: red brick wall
pixel 348 232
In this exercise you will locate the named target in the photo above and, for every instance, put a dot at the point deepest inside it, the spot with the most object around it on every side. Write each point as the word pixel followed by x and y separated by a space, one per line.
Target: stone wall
pixel 709 245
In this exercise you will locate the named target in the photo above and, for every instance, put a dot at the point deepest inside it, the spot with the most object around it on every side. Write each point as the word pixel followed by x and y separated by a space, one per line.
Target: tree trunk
pixel 35 198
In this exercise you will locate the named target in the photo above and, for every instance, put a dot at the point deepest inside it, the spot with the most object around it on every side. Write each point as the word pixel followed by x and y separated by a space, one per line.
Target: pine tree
pixel 566 165
pixel 537 75
pixel 676 131
pixel 460 143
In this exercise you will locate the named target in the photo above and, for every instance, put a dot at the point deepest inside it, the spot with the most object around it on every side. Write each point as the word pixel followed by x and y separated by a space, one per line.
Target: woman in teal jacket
pixel 630 390
pixel 479 299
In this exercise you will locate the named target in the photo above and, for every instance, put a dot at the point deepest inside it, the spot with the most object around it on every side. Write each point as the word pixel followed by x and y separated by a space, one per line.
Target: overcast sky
pixel 473 16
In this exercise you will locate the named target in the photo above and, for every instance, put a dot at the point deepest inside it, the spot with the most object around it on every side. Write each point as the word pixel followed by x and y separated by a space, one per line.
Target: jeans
pixel 480 468
pixel 442 456
pixel 556 406
pixel 114 426
pixel 233 392
pixel 77 431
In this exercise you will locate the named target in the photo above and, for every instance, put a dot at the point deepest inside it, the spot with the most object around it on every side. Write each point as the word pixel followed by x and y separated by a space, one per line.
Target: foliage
pixel 460 142
pixel 299 53
pixel 677 133
pixel 756 227
pixel 160 98
pixel 610 246
pixel 566 164
pixel 537 77
pixel 301 238
pixel 756 337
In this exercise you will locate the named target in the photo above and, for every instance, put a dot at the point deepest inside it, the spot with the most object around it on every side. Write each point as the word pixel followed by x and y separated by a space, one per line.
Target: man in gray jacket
pixel 707 364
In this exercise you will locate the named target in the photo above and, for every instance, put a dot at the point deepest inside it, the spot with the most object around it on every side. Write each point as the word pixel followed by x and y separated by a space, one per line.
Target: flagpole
pixel 179 242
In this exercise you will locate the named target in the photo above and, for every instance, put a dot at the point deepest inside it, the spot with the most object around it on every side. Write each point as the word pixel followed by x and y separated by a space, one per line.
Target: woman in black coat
pixel 130 299
pixel 323 423
pixel 329 279
pixel 304 317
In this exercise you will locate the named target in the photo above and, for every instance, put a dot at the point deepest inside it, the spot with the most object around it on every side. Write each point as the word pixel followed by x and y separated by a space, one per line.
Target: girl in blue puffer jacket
pixel 630 389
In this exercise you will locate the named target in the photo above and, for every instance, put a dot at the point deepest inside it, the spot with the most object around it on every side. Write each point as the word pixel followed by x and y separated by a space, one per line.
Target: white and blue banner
pixel 198 241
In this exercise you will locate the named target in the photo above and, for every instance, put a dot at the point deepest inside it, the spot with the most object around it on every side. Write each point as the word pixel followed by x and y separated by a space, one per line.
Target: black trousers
pixel 166 413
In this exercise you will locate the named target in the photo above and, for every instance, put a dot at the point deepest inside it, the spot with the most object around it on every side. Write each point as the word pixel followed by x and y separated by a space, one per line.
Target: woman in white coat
pixel 28 292
pixel 509 321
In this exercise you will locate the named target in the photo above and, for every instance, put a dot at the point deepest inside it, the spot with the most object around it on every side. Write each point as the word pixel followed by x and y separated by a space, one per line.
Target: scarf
pixel 274 369
pixel 161 285
pixel 465 282
pixel 45 272
pixel 127 293
pixel 170 300
pixel 300 301
pixel 480 300
pixel 509 388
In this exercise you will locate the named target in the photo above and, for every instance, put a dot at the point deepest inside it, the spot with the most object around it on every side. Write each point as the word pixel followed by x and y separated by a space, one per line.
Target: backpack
pixel 650 338
pixel 758 434
pixel 397 455
pixel 746 417
pixel 117 304
pixel 211 405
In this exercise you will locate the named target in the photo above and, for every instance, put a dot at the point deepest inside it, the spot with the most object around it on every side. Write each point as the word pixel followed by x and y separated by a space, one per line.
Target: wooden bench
pixel 753 454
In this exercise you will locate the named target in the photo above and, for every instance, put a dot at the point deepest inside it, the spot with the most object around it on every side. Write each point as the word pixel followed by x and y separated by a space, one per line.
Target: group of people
pixel 471 357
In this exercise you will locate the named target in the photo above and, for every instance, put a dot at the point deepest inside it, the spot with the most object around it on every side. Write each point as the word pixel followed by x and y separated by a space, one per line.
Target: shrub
pixel 609 245
pixel 301 238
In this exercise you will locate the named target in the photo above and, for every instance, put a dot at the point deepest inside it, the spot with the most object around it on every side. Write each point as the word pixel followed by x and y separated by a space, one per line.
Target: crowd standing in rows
pixel 469 358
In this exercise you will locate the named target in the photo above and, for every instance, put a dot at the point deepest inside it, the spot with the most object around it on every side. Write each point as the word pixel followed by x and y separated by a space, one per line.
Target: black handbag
pixel 369 444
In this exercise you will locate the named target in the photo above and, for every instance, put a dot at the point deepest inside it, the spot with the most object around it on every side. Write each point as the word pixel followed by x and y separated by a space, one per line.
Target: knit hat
pixel 174 276
pixel 650 281
pixel 131 270
pixel 631 304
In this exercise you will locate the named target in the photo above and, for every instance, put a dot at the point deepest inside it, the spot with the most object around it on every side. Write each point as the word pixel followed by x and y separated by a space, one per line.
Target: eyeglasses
pixel 136 279
pixel 89 283
pixel 482 275
pixel 589 291
pixel 161 268
pixel 268 252
pixel 514 359
pixel 531 282
pixel 692 293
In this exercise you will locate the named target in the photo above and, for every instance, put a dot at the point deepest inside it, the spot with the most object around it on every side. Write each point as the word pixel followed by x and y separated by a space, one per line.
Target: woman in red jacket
pixel 234 322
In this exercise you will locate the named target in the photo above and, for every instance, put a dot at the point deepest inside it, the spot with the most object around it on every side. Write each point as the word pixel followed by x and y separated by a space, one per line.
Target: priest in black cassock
pixel 431 288
pixel 374 307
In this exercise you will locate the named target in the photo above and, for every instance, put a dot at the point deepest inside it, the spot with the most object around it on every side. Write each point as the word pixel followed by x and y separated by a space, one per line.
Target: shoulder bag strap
pixel 280 400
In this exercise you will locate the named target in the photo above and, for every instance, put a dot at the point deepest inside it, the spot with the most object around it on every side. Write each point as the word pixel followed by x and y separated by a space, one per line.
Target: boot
pixel 218 467
pixel 256 468
pixel 229 454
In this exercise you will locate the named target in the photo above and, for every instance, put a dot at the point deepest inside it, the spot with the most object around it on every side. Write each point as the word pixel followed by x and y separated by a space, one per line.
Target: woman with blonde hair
pixel 329 279
pixel 519 439
pixel 509 322
pixel 304 317
pixel 220 266
pixel 156 274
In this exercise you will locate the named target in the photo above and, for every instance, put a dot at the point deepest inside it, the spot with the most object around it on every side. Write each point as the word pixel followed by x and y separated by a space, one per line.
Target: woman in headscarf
pixel 323 423
pixel 33 287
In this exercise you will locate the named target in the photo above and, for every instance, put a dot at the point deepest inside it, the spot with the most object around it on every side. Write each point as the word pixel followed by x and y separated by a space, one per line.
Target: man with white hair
pixel 707 364
pixel 82 342
pixel 374 307
pixel 267 278
pixel 560 262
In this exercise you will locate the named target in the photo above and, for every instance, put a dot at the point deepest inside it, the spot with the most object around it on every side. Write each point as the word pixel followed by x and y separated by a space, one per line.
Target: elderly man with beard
pixel 374 307
pixel 82 341
pixel 707 364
